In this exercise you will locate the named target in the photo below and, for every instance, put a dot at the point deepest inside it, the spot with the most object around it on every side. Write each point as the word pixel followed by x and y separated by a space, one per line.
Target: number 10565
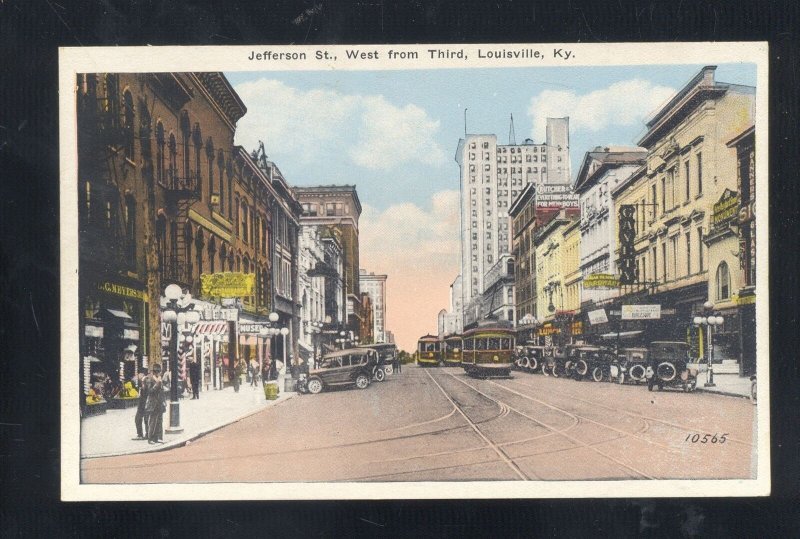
pixel 707 438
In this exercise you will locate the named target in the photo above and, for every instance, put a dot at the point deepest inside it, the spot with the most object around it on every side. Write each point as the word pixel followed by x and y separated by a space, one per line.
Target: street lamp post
pixel 288 379
pixel 263 332
pixel 709 321
pixel 341 338
pixel 179 311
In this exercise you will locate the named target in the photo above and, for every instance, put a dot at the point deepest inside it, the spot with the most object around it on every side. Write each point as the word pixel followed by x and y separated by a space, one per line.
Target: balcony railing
pixel 174 182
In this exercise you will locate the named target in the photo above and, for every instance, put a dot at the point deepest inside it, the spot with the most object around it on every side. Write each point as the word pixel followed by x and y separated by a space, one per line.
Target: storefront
pixel 113 333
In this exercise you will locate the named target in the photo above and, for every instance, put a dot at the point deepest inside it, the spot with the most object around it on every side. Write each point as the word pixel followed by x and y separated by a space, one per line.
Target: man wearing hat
pixel 155 405
pixel 141 412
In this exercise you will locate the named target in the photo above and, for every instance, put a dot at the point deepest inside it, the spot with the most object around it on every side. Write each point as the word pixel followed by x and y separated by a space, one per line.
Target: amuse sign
pixel 557 195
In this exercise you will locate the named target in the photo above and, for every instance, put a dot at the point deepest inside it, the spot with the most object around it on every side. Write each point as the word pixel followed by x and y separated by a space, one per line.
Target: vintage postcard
pixel 414 271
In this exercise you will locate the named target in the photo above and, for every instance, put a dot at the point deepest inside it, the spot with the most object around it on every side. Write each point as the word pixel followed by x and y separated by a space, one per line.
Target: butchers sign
pixel 641 312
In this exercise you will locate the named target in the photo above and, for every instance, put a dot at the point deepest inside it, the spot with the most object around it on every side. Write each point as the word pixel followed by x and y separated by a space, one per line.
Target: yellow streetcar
pixel 488 351
pixel 429 351
pixel 453 348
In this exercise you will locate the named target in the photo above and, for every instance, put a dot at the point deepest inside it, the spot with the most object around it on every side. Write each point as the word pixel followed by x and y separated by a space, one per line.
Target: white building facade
pixel 375 286
pixel 491 178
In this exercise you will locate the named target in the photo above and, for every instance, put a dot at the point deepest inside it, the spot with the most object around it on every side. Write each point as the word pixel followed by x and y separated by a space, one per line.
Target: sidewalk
pixel 113 433
pixel 731 385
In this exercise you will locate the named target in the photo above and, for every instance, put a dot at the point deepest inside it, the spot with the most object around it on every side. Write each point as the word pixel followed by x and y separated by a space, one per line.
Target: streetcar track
pixel 604 425
pixel 511 464
pixel 430 455
pixel 632 414
pixel 565 435
pixel 413 425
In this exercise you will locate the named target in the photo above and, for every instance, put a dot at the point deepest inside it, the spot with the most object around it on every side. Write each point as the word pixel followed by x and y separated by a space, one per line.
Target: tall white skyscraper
pixel 492 176
pixel 375 286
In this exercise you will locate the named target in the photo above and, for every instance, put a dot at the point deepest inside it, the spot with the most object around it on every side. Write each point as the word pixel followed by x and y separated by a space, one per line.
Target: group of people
pixel 149 417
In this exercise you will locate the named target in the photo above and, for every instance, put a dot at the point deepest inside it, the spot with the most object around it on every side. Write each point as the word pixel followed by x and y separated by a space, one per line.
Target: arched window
pixel 127 120
pixel 160 142
pixel 221 165
pixel 212 252
pixel 199 243
pixel 230 260
pixel 238 263
pixel 236 217
pixel 723 282
pixel 130 231
pixel 185 134
pixel 172 170
pixel 246 264
pixel 188 238
pixel 210 157
pixel 197 142
pixel 229 174
pixel 245 227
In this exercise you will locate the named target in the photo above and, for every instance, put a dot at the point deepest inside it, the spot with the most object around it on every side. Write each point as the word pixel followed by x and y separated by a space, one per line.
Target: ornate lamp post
pixel 288 380
pixel 709 321
pixel 179 311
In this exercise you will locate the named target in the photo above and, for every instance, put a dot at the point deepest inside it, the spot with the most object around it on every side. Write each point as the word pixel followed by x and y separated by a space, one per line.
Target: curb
pixel 723 393
pixel 181 443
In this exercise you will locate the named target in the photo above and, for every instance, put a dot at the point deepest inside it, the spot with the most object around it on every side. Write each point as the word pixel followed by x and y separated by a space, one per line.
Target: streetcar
pixel 429 351
pixel 453 348
pixel 488 351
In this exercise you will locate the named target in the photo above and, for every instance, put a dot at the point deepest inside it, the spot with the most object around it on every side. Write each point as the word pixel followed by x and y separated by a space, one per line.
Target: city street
pixel 436 424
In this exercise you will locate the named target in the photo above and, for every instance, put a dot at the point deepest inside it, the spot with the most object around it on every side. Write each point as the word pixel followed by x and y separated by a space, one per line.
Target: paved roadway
pixel 438 424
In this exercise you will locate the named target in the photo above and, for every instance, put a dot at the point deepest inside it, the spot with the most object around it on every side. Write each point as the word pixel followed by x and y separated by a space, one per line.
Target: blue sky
pixel 394 135
pixel 491 95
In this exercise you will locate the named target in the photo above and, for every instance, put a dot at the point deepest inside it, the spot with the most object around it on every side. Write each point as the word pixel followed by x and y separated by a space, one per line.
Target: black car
pixel 353 366
pixel 588 362
pixel 387 353
pixel 669 365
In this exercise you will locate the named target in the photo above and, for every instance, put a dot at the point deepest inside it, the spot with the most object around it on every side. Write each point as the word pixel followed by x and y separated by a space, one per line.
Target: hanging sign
pixel 598 316
pixel 252 328
pixel 641 312
pixel 600 280
pixel 227 284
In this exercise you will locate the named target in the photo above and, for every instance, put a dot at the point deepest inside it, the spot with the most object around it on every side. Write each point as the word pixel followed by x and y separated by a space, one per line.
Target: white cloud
pixel 418 248
pixel 296 123
pixel 623 103
pixel 391 135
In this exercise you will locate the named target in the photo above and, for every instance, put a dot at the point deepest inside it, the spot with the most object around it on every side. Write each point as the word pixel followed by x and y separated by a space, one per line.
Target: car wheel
pixel 314 386
pixel 380 375
pixel 637 373
pixel 388 369
pixel 581 367
pixel 597 374
pixel 666 371
pixel 533 364
pixel 362 381
pixel 544 369
pixel 556 371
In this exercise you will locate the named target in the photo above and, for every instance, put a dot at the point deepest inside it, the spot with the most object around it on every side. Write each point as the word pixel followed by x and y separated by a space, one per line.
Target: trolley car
pixel 453 348
pixel 429 351
pixel 488 351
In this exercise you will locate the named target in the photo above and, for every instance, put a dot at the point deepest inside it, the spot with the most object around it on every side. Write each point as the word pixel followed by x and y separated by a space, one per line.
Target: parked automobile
pixel 669 365
pixel 530 357
pixel 630 365
pixel 585 361
pixel 387 353
pixel 554 362
pixel 354 366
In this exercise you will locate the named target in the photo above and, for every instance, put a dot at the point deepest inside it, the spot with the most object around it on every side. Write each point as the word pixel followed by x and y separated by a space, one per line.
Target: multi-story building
pixel 375 286
pixel 601 171
pixel 497 301
pixel 338 206
pixel 551 290
pixel 745 145
pixel 311 285
pixel 492 176
pixel 690 170
pixel 155 177
pixel 451 320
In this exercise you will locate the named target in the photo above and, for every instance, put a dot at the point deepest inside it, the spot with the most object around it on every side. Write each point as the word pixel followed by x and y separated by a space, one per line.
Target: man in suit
pixel 155 406
pixel 141 412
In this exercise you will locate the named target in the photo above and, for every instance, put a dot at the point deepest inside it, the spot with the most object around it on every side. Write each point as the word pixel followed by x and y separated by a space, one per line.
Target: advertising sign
pixel 252 328
pixel 600 280
pixel 228 284
pixel 641 312
pixel 598 316
pixel 556 195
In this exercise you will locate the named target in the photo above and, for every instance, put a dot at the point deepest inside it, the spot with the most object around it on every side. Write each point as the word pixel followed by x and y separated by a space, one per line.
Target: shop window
pixel 723 282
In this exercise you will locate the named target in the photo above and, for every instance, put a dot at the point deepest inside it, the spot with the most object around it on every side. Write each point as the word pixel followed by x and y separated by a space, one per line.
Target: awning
pixel 120 314
pixel 621 335
pixel 217 327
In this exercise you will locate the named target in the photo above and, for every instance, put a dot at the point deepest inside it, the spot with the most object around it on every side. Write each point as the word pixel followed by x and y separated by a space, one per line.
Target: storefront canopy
pixel 217 327
pixel 621 335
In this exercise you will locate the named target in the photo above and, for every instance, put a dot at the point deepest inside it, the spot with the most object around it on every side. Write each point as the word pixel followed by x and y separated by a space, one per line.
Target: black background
pixel 31 31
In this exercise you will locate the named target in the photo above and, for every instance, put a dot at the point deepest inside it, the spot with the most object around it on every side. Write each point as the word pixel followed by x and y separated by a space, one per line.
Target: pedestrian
pixel 194 378
pixel 141 412
pixel 155 405
pixel 254 373
pixel 396 364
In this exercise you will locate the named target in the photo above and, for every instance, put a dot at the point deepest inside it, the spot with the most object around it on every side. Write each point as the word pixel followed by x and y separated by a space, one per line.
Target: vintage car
pixel 353 366
pixel 387 353
pixel 555 361
pixel 669 365
pixel 529 357
pixel 629 366
pixel 584 361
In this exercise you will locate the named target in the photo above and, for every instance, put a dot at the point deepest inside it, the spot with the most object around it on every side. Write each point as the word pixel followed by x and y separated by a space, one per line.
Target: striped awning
pixel 217 327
